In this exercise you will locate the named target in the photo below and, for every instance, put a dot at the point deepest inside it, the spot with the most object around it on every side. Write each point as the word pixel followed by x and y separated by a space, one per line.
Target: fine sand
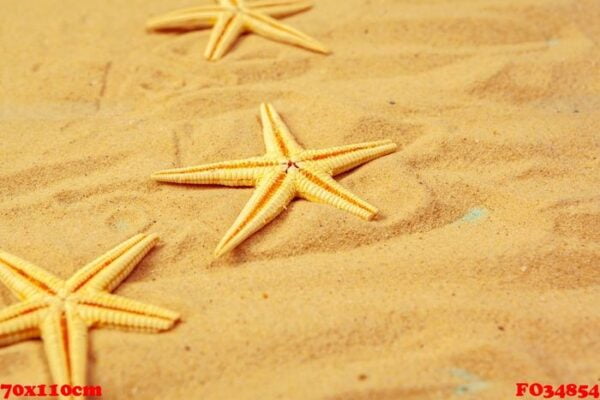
pixel 482 270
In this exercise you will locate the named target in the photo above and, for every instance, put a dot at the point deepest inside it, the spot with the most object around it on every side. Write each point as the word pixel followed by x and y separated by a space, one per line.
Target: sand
pixel 482 270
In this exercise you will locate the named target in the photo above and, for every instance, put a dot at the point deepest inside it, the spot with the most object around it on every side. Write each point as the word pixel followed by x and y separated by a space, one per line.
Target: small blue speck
pixel 474 383
pixel 475 214
pixel 472 387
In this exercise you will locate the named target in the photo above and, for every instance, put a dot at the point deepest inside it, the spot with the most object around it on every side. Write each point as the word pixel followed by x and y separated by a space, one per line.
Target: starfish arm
pixel 279 8
pixel 277 136
pixel 20 321
pixel 25 279
pixel 272 29
pixel 64 334
pixel 186 19
pixel 108 271
pixel 228 28
pixel 344 158
pixel 315 185
pixel 230 173
pixel 269 199
pixel 105 309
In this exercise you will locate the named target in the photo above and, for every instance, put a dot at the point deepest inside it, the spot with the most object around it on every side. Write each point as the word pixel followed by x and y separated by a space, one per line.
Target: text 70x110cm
pixel 49 391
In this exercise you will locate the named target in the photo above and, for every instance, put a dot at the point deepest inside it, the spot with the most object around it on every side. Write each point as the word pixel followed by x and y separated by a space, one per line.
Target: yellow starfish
pixel 61 312
pixel 231 18
pixel 286 171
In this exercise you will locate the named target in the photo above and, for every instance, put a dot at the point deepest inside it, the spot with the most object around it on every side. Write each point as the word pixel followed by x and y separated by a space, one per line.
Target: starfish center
pixel 290 165
pixel 237 8
pixel 63 294
pixel 59 302
pixel 61 299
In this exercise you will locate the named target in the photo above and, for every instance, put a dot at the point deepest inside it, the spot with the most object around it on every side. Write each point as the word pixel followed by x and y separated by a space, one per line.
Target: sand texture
pixel 482 270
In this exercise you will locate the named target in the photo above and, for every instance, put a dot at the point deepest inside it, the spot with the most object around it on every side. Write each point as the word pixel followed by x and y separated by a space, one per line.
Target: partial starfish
pixel 231 18
pixel 62 312
pixel 286 171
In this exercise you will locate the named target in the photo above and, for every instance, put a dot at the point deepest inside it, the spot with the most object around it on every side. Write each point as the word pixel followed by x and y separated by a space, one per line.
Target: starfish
pixel 286 171
pixel 62 312
pixel 231 18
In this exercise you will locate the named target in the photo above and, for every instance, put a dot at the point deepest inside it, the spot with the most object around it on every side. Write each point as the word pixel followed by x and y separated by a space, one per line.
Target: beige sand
pixel 482 270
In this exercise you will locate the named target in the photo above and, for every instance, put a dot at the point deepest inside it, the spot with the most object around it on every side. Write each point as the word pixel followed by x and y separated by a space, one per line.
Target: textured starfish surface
pixel 286 171
pixel 232 18
pixel 62 312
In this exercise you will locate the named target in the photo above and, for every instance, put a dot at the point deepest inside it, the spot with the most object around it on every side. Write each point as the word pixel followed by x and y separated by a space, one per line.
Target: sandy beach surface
pixel 481 271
